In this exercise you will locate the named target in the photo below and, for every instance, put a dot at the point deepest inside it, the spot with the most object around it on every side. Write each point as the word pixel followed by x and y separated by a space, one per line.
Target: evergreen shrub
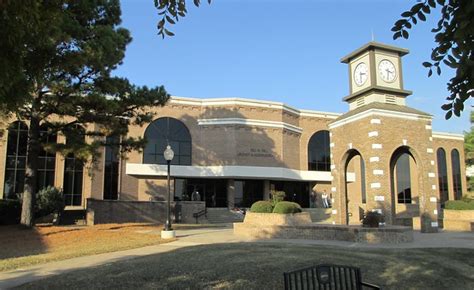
pixel 263 206
pixel 286 207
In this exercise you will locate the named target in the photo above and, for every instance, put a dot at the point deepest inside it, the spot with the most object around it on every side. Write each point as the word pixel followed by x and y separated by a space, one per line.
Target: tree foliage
pixel 56 59
pixel 454 35
pixel 469 143
pixel 170 12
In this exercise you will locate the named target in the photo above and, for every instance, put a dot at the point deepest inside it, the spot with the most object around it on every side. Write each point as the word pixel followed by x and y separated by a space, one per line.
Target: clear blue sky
pixel 280 50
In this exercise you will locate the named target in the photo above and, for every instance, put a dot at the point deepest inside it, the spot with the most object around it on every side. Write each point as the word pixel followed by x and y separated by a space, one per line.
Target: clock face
pixel 360 74
pixel 387 71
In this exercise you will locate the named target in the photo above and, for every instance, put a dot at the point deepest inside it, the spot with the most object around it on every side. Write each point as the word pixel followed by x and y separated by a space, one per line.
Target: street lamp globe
pixel 169 153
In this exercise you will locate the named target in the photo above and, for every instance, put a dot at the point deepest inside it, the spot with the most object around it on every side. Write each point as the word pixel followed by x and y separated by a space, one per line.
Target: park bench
pixel 326 277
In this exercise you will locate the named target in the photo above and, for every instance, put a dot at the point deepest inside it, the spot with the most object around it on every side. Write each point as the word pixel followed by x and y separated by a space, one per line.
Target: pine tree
pixel 56 59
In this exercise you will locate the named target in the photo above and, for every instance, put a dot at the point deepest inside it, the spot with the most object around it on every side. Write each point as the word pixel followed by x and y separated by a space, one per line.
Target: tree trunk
pixel 31 172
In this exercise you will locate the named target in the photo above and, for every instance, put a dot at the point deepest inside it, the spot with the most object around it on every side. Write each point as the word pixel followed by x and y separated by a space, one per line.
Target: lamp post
pixel 168 232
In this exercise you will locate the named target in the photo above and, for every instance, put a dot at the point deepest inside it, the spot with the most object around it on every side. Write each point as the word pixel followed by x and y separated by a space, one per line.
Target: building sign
pixel 256 152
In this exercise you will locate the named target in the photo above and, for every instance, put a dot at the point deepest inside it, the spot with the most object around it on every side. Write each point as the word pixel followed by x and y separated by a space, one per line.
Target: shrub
pixel 459 205
pixel 372 219
pixel 263 206
pixel 10 211
pixel 286 207
pixel 277 196
pixel 49 200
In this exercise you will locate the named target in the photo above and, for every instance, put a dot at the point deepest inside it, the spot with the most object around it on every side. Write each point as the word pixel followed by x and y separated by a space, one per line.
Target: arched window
pixel 442 175
pixel 456 165
pixel 47 160
pixel 162 132
pixel 16 159
pixel 73 172
pixel 111 168
pixel 319 152
pixel 403 178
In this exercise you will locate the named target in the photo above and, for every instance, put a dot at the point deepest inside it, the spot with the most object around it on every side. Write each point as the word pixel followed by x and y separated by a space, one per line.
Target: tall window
pixel 16 159
pixel 73 173
pixel 403 181
pixel 47 160
pixel 111 168
pixel 162 132
pixel 319 152
pixel 362 181
pixel 456 165
pixel 442 175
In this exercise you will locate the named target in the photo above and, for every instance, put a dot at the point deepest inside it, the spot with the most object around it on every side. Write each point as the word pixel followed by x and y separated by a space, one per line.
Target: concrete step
pixel 320 215
pixel 223 216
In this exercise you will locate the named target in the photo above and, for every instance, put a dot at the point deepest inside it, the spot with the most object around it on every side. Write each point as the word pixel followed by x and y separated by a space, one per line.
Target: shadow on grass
pixel 18 241
pixel 261 266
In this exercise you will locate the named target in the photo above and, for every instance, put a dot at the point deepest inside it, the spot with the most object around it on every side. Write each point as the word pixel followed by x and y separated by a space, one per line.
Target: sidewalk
pixel 213 235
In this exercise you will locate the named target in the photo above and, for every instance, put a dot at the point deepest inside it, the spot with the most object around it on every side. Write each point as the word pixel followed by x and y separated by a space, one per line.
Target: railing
pixel 199 214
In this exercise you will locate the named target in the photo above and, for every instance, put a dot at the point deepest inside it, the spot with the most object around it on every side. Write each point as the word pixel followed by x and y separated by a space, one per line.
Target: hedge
pixel 286 207
pixel 262 206
pixel 459 205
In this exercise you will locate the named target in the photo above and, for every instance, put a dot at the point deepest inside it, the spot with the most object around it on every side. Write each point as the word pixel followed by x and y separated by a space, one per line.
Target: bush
pixel 49 200
pixel 10 211
pixel 459 205
pixel 286 207
pixel 277 196
pixel 372 219
pixel 263 206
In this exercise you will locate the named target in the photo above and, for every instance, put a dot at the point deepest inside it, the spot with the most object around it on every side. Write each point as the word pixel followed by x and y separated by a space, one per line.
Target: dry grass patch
pixel 27 247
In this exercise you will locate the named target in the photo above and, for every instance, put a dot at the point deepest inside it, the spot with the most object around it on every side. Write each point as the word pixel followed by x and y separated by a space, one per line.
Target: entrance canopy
pixel 235 172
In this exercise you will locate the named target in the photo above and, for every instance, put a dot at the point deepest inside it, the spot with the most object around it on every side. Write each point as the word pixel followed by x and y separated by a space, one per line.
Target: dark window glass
pixel 247 192
pixel 362 181
pixel 73 174
pixel 15 159
pixel 403 178
pixel 442 175
pixel 294 191
pixel 319 152
pixel 456 165
pixel 47 159
pixel 111 168
pixel 162 132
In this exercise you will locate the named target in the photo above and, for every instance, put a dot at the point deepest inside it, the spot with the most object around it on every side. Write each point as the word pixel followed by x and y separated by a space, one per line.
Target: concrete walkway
pixel 193 237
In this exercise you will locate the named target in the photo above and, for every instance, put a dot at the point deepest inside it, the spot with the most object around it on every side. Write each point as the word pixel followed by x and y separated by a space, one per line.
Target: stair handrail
pixel 199 214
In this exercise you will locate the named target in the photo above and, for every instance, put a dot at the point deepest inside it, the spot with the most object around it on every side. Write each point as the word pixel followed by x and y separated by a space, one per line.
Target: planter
pixel 277 219
pixel 458 220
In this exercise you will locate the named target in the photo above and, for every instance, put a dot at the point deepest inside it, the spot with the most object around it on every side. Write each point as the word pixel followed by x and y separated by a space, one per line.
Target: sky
pixel 279 50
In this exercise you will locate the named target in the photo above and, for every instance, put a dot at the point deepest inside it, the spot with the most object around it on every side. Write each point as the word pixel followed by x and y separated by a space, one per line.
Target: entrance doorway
pixel 212 191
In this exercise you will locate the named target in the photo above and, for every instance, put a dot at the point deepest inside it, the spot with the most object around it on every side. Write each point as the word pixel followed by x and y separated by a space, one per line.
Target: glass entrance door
pixel 212 191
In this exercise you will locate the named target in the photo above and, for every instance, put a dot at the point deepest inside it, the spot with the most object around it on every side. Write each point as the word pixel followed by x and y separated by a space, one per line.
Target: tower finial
pixel 373 37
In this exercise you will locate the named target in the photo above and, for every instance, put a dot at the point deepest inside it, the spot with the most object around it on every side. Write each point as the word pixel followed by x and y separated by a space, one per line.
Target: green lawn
pixel 260 266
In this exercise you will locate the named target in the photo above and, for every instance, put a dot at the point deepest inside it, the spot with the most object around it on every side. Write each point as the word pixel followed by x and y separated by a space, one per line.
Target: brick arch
pixel 418 181
pixel 343 197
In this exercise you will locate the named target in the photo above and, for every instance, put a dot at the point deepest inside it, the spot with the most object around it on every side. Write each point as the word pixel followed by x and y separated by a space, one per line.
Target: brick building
pixel 380 155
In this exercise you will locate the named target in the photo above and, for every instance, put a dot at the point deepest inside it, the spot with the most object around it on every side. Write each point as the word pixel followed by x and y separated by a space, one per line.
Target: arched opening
pixel 442 175
pixel 355 186
pixel 319 158
pixel 456 166
pixel 405 183
pixel 167 131
pixel 15 160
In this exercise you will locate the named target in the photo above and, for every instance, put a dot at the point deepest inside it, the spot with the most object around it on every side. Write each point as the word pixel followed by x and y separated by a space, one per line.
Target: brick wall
pixel 109 211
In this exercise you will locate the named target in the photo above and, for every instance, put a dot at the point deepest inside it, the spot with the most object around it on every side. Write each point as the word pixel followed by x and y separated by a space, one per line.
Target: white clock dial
pixel 387 71
pixel 361 74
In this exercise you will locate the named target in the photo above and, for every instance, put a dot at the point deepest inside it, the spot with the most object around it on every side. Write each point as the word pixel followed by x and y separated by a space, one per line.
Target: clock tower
pixel 375 75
